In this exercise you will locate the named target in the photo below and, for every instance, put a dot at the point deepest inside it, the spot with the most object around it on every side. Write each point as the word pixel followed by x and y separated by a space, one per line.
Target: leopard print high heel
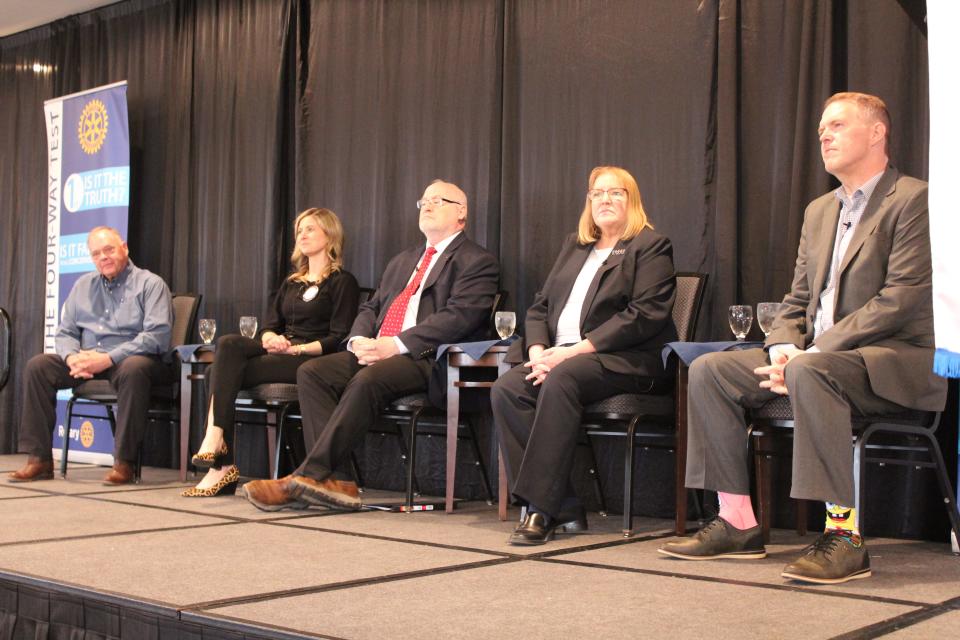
pixel 226 486
pixel 207 460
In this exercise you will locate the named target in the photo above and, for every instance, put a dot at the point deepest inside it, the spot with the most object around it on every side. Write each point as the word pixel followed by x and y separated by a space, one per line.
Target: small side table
pixel 457 359
pixel 192 370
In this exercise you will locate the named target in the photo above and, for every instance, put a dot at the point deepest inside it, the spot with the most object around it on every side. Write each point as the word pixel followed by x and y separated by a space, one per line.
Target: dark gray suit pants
pixel 825 389
pixel 538 426
pixel 340 400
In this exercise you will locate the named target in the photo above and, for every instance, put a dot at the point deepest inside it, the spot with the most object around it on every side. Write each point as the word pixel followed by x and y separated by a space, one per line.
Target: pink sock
pixel 737 510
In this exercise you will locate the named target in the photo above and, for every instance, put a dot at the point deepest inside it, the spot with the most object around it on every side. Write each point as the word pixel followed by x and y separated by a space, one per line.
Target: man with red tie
pixel 429 295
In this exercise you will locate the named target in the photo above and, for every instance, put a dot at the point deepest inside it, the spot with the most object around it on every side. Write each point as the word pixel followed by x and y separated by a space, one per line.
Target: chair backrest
pixel 499 298
pixel 498 301
pixel 366 293
pixel 686 308
pixel 5 347
pixel 185 306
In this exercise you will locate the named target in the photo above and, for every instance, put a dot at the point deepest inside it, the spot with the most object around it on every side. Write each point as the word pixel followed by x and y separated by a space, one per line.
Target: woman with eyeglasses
pixel 596 328
pixel 311 314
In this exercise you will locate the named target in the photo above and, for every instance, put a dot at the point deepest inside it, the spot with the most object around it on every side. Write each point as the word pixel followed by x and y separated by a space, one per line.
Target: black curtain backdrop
pixel 244 112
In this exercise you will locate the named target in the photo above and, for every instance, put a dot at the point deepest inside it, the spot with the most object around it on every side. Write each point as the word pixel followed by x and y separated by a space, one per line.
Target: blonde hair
pixel 871 109
pixel 331 226
pixel 588 231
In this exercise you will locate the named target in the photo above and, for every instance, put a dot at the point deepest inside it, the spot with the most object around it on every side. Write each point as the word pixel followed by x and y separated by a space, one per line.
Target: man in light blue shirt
pixel 115 325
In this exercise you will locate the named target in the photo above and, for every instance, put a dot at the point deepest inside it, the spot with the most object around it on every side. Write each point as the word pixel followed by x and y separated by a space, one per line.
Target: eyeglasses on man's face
pixel 435 201
pixel 617 193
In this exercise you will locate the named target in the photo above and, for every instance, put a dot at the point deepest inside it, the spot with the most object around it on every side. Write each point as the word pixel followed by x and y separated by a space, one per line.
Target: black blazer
pixel 454 305
pixel 626 314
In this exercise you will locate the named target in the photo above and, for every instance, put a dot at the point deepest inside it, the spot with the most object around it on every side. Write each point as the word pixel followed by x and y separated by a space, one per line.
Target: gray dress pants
pixel 825 390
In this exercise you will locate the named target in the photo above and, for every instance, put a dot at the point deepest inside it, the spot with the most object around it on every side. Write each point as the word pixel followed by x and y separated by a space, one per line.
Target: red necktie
pixel 393 321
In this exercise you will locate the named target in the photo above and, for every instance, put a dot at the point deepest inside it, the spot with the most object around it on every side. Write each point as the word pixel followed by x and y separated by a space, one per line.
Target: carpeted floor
pixel 397 575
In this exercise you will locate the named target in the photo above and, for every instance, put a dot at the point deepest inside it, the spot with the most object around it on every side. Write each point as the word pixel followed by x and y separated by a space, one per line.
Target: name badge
pixel 310 293
pixel 619 252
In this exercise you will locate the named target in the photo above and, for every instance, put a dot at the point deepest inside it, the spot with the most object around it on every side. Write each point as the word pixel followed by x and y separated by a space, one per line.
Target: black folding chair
pixel 164 398
pixel 648 419
pixel 911 442
pixel 278 402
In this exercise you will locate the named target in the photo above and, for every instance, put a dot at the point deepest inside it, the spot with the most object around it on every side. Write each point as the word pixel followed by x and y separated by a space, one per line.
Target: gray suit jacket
pixel 883 304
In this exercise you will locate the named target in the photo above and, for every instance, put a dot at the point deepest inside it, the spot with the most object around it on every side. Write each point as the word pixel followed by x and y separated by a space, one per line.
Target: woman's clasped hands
pixel 543 360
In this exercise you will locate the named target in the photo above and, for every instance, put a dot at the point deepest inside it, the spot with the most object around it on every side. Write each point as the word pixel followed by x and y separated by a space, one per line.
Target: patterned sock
pixel 737 510
pixel 843 520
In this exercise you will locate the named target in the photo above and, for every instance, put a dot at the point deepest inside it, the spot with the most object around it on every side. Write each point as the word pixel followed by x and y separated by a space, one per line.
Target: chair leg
pixel 272 442
pixel 949 497
pixel 595 477
pixel 764 485
pixel 628 478
pixel 488 490
pixel 412 457
pixel 802 516
pixel 405 452
pixel 113 430
pixel 859 473
pixel 281 425
pixel 680 481
pixel 356 471
pixel 65 448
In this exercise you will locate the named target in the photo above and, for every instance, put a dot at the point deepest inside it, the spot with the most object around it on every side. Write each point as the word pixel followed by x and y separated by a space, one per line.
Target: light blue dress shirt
pixel 129 315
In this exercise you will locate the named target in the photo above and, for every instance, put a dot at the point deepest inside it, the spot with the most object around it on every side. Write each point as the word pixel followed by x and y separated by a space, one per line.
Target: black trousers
pixel 132 378
pixel 340 399
pixel 241 363
pixel 538 426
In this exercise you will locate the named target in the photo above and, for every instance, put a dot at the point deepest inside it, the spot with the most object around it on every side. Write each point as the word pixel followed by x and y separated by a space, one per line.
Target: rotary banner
pixel 88 185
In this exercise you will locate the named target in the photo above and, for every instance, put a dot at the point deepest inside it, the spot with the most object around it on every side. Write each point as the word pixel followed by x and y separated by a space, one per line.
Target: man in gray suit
pixel 854 336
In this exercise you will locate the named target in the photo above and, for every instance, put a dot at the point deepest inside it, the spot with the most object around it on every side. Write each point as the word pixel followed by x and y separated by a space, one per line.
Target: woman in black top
pixel 311 314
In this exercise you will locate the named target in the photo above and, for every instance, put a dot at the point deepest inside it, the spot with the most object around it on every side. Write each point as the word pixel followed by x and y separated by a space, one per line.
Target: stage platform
pixel 142 562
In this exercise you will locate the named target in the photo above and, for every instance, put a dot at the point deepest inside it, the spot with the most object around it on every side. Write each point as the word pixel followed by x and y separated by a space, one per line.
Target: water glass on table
pixel 208 329
pixel 741 318
pixel 505 323
pixel 248 326
pixel 766 314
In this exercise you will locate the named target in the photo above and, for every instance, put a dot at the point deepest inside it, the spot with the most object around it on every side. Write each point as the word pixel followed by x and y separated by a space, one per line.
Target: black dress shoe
pixel 573 521
pixel 535 529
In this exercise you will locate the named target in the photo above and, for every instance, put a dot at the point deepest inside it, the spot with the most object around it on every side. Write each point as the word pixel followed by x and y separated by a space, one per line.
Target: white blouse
pixel 568 326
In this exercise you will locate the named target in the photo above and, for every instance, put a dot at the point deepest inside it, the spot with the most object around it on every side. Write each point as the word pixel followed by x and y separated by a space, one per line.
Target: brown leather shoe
pixel 339 494
pixel 273 495
pixel 122 473
pixel 35 469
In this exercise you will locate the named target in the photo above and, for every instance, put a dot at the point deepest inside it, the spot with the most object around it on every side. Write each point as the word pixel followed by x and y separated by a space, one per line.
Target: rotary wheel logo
pixel 92 129
pixel 86 434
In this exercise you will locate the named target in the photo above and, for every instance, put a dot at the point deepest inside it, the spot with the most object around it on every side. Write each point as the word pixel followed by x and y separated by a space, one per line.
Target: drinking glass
pixel 766 313
pixel 505 322
pixel 740 317
pixel 248 326
pixel 208 329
